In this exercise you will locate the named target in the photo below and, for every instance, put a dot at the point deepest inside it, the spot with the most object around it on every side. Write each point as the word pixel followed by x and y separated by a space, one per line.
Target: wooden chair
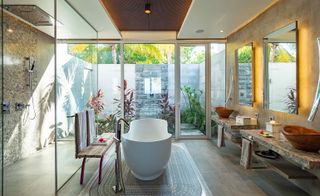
pixel 83 139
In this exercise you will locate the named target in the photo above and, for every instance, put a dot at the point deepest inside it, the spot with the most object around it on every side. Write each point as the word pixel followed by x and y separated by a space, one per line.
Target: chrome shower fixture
pixel 32 66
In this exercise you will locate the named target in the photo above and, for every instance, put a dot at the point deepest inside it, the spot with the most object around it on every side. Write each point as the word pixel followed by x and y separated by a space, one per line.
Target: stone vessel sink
pixel 302 138
pixel 223 112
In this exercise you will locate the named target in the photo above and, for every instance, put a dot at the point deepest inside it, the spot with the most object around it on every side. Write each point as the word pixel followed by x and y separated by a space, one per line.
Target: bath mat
pixel 181 177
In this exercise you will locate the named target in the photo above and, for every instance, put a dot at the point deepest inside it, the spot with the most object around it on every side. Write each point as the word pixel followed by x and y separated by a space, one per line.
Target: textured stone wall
pixel 147 105
pixel 25 132
pixel 281 14
pixel 306 12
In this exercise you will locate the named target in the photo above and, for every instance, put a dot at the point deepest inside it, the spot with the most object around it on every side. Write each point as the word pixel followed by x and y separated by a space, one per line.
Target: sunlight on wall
pixel 306 93
pixel 74 87
pixel 42 126
pixel 258 75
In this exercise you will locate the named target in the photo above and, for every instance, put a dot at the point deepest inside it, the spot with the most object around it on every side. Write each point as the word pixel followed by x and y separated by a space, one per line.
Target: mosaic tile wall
pixel 30 129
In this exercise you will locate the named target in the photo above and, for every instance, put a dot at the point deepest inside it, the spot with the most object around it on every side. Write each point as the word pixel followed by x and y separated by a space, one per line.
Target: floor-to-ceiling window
pixel 149 82
pixel 192 90
pixel 75 84
pixel 218 73
pixel 109 81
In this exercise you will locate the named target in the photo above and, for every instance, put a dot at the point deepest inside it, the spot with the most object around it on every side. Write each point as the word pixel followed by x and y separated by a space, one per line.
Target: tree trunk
pixel 114 53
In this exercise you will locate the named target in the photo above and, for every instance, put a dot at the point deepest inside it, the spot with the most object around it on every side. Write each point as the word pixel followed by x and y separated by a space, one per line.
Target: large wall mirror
pixel 244 59
pixel 281 92
pixel 316 101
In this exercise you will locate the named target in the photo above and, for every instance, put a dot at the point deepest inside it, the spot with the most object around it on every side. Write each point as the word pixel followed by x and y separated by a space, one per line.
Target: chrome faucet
pixel 118 170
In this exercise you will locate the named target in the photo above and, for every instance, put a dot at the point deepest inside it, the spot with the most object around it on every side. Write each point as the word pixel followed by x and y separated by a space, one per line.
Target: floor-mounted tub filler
pixel 147 148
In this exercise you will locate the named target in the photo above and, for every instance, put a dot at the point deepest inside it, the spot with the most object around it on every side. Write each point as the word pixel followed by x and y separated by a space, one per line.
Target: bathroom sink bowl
pixel 223 112
pixel 302 138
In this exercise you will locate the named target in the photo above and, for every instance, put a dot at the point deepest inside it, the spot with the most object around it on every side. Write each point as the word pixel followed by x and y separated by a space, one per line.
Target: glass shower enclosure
pixel 44 81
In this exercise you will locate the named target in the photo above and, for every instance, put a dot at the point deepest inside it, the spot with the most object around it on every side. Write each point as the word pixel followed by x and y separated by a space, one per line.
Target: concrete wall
pixel 25 132
pixel 306 12
pixel 218 90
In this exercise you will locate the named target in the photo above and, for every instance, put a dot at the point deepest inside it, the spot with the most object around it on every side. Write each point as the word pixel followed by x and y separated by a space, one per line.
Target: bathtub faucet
pixel 118 131
pixel 119 186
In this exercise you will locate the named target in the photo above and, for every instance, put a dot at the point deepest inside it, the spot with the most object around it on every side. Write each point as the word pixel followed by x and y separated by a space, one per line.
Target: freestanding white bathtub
pixel 147 147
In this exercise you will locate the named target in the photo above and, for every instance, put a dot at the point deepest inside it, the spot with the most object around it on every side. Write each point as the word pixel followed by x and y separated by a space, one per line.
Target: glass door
pixel 192 91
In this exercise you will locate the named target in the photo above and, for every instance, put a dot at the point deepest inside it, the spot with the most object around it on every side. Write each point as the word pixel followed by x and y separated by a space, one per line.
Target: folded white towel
pixel 220 141
pixel 80 131
pixel 246 153
pixel 92 133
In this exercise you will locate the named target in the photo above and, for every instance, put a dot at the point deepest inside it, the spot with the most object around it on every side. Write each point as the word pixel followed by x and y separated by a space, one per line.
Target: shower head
pixel 32 66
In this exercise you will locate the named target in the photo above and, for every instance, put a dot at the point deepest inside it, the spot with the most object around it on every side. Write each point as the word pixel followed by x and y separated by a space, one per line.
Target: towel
pixel 80 131
pixel 246 153
pixel 220 141
pixel 92 133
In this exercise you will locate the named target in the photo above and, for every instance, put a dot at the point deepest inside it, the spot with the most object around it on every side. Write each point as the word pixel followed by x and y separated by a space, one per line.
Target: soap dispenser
pixel 273 126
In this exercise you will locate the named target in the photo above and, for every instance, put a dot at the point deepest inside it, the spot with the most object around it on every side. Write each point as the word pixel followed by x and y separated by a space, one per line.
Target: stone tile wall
pixel 306 12
pixel 25 133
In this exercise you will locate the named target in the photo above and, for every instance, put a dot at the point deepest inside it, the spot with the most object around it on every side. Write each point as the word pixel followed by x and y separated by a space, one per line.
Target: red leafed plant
pixel 95 102
pixel 129 103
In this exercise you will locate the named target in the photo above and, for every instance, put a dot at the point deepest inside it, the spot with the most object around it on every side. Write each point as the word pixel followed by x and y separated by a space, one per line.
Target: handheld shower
pixel 30 71
pixel 32 66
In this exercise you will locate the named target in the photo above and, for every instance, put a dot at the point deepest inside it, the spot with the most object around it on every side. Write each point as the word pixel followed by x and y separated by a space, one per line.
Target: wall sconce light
pixel 147 8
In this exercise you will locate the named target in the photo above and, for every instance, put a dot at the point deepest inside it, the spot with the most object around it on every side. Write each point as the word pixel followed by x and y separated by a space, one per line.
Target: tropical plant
pixel 291 101
pixel 194 113
pixel 105 125
pixel 133 53
pixel 245 54
pixel 129 103
pixel 192 55
pixel 167 110
pixel 277 53
pixel 95 102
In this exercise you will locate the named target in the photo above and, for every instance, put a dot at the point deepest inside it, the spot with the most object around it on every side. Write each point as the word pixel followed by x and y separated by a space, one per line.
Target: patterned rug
pixel 181 177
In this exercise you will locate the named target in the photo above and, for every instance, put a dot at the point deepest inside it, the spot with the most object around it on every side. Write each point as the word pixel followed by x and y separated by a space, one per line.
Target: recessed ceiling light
pixel 10 30
pixel 199 31
pixel 147 8
pixel 221 31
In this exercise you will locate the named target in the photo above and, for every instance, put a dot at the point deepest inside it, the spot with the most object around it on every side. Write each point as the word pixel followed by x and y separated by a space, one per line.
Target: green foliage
pixel 245 54
pixel 291 101
pixel 133 53
pixel 194 113
pixel 278 54
pixel 129 103
pixel 142 54
pixel 190 55
pixel 86 52
pixel 106 125
pixel 167 110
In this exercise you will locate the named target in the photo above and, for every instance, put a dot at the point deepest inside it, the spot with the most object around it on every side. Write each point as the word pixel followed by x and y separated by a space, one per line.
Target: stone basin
pixel 223 112
pixel 302 138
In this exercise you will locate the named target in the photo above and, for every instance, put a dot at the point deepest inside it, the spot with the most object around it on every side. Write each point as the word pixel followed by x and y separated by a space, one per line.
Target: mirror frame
pixel 316 101
pixel 250 44
pixel 266 70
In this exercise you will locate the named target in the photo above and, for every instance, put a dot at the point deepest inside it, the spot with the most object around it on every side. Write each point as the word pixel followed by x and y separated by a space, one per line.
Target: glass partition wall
pixel 193 90
pixel 76 83
pixel 28 114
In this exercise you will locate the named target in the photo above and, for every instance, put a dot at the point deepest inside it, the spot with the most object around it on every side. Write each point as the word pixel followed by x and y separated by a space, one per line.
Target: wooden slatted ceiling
pixel 128 15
